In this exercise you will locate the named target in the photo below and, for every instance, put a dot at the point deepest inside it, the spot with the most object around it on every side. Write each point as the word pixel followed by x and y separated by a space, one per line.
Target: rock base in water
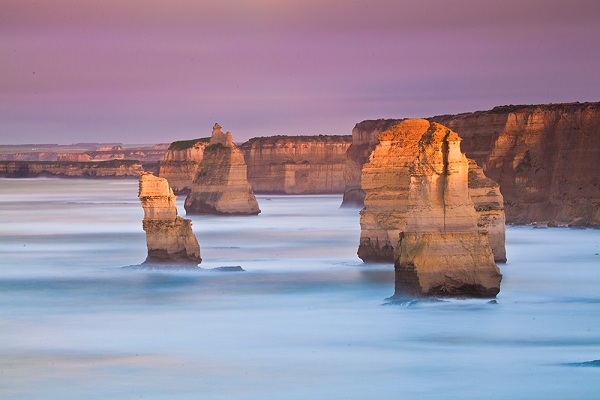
pixel 456 264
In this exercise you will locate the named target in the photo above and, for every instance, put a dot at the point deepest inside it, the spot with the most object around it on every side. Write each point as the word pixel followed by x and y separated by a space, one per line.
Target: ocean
pixel 307 319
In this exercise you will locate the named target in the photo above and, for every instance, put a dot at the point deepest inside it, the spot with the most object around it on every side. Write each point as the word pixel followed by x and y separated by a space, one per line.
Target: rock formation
pixel 418 204
pixel 71 169
pixel 296 164
pixel 181 162
pixel 489 206
pixel 364 139
pixel 169 238
pixel 382 221
pixel 221 185
pixel 546 159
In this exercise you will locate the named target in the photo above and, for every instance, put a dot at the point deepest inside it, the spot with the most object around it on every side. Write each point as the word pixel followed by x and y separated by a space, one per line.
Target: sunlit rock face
pixel 181 162
pixel 364 139
pixel 417 205
pixel 296 164
pixel 169 238
pixel 542 156
pixel 221 185
pixel 545 157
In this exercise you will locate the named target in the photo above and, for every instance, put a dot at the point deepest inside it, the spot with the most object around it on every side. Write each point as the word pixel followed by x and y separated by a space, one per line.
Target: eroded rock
pixel 169 238
pixel 221 185
pixel 418 211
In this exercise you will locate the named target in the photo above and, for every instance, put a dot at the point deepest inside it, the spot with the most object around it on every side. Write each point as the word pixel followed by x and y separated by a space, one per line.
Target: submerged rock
pixel 169 238
pixel 418 211
pixel 221 185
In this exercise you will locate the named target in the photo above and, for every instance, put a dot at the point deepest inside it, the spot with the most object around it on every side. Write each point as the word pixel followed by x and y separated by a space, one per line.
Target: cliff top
pixel 567 107
pixel 302 138
pixel 186 144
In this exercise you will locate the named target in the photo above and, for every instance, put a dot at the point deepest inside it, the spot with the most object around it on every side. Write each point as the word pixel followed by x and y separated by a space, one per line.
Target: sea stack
pixel 169 238
pixel 418 208
pixel 221 183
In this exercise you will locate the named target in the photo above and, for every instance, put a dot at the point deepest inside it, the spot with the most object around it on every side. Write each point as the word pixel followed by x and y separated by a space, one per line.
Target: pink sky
pixel 157 71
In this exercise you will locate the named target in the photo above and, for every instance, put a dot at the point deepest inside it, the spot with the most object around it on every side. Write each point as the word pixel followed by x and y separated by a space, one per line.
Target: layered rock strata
pixel 417 203
pixel 546 159
pixel 169 238
pixel 221 185
pixel 383 220
pixel 71 169
pixel 181 163
pixel 296 164
pixel 364 139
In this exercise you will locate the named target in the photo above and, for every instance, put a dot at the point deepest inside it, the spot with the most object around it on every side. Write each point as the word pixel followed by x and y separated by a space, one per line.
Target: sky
pixel 148 71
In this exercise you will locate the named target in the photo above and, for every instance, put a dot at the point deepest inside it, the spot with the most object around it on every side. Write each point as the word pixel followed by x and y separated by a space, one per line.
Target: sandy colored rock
pixel 169 238
pixel 364 140
pixel 296 164
pixel 417 205
pixel 457 264
pixel 221 185
pixel 546 159
pixel 489 206
pixel 72 169
pixel 181 162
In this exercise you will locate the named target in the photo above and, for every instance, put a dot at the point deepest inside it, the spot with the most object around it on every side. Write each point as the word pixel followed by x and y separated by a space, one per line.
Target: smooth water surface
pixel 306 320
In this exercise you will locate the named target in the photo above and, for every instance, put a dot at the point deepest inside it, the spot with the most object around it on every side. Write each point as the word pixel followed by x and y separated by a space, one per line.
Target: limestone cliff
pixel 221 185
pixel 364 139
pixel 546 159
pixel 386 177
pixel 296 164
pixel 180 163
pixel 417 201
pixel 169 238
pixel 71 169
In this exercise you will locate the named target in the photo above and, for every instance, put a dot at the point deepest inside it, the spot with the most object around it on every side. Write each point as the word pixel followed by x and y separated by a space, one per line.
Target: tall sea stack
pixel 418 206
pixel 169 238
pixel 221 184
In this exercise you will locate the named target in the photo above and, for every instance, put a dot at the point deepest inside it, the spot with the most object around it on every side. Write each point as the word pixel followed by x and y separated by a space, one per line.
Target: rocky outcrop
pixel 71 169
pixel 169 238
pixel 417 203
pixel 364 139
pixel 181 163
pixel 221 185
pixel 489 206
pixel 545 157
pixel 386 177
pixel 296 164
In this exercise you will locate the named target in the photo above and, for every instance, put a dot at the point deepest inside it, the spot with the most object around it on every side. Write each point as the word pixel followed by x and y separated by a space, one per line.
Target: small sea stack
pixel 221 184
pixel 169 238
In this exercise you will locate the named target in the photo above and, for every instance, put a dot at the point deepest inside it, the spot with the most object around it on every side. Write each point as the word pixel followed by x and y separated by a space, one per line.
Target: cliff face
pixel 221 185
pixel 71 169
pixel 169 238
pixel 388 206
pixel 296 164
pixel 416 183
pixel 181 162
pixel 364 140
pixel 546 159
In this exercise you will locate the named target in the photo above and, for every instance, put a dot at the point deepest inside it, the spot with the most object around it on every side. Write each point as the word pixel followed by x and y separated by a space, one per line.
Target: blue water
pixel 307 320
